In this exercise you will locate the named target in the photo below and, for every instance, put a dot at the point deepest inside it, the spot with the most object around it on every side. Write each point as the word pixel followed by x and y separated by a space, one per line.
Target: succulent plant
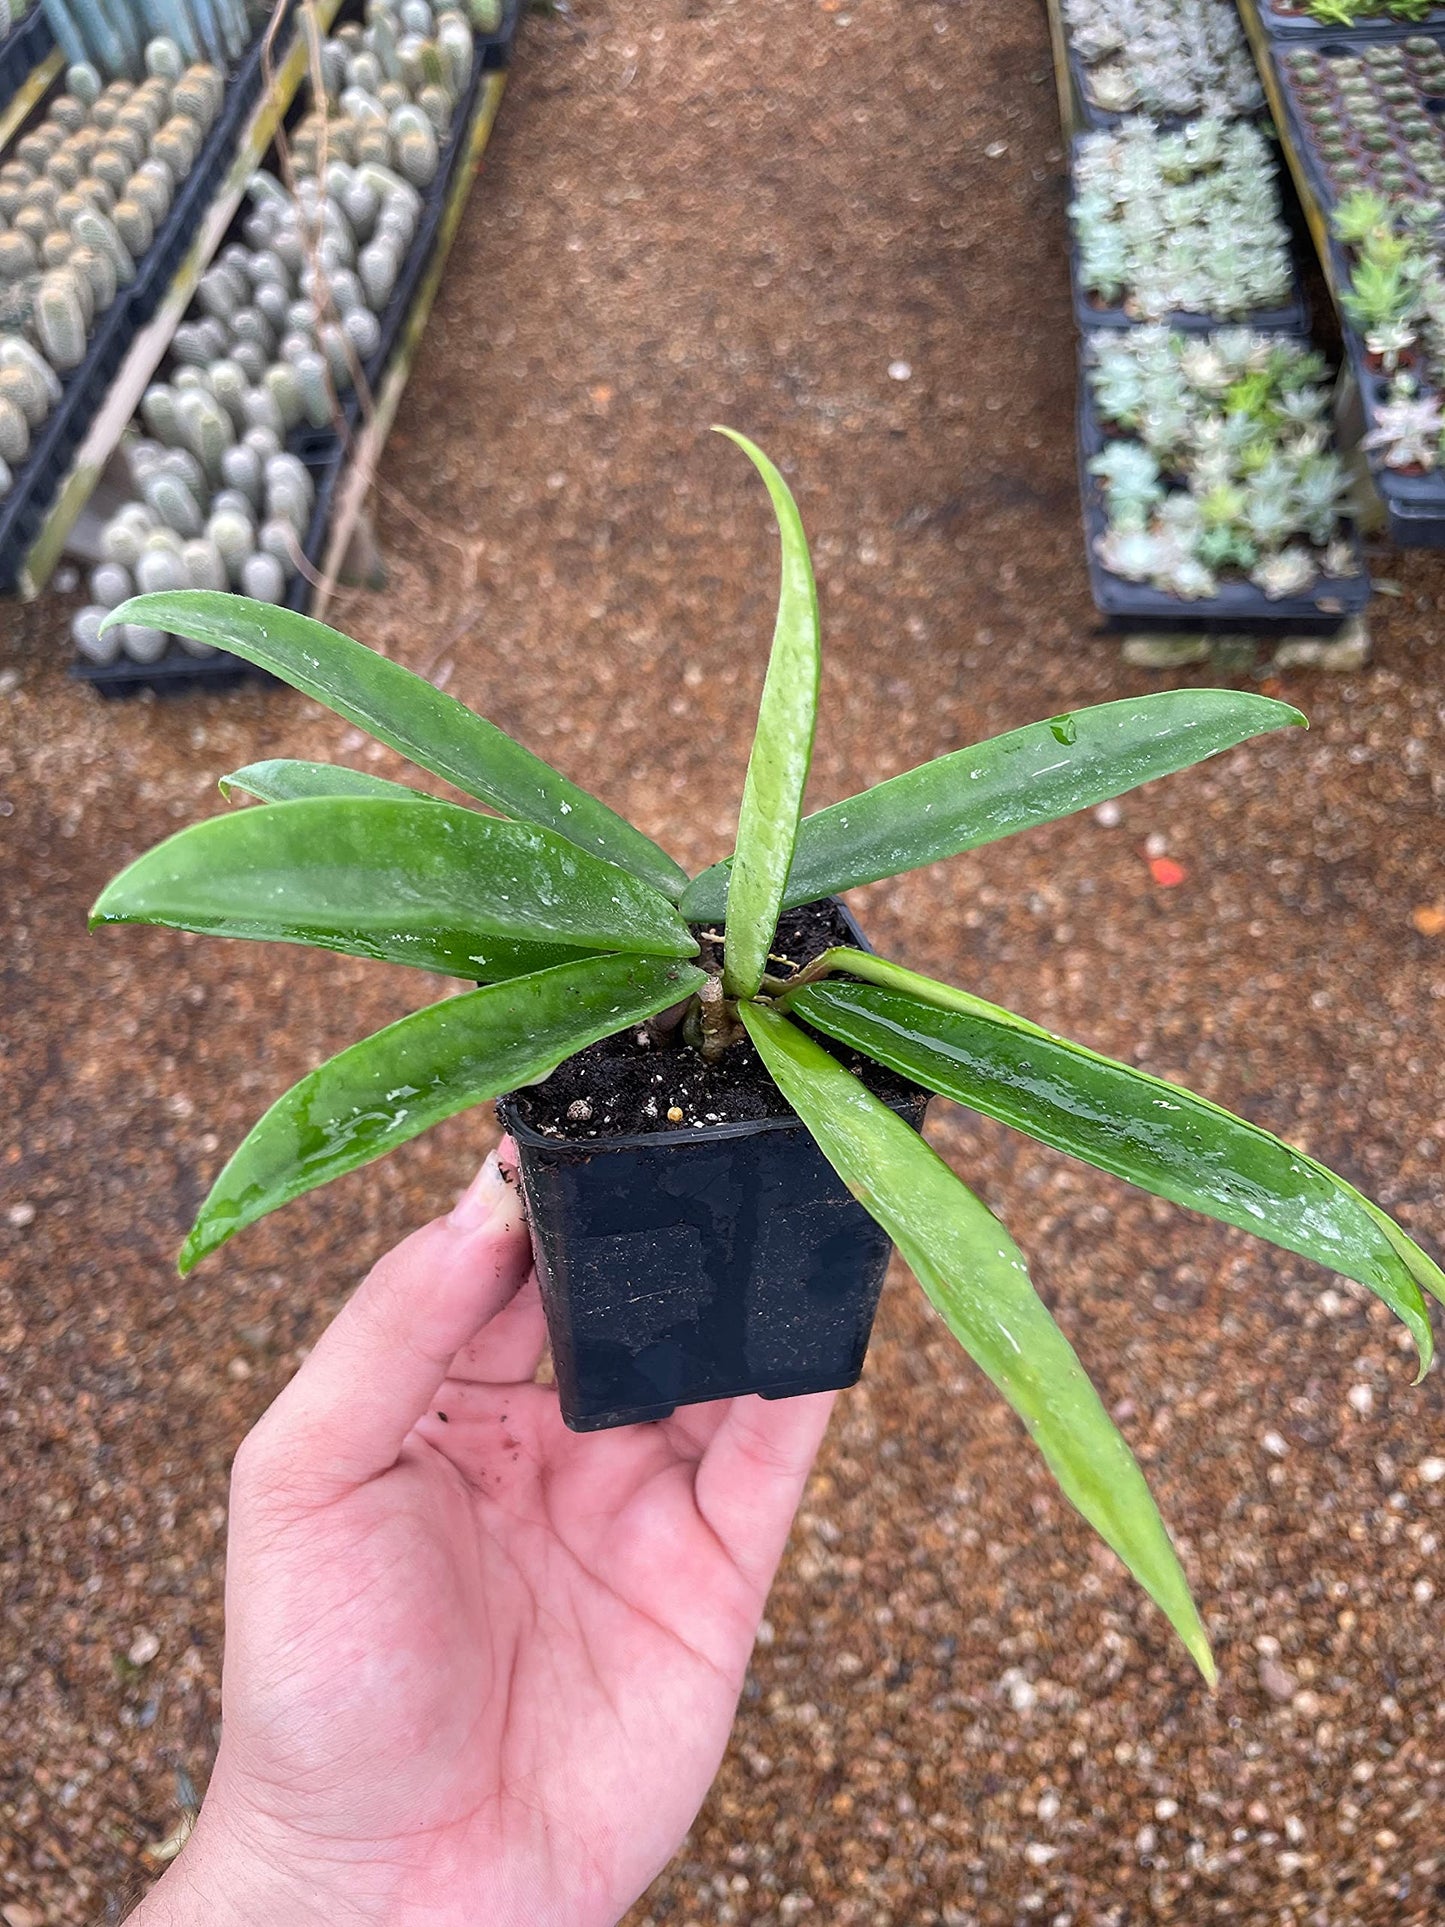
pixel 1218 461
pixel 1187 221
pixel 1168 58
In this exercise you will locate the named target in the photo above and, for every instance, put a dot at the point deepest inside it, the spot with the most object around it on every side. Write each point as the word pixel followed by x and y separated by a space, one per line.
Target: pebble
pixel 1276 1447
pixel 1109 814
pixel 1362 1399
pixel 20 1215
pixel 1279 1684
pixel 143 1649
pixel 1432 1471
pixel 900 370
pixel 1156 844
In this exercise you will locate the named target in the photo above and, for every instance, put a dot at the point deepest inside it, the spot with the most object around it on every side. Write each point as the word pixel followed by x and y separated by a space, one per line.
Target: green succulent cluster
pixel 1366 113
pixel 1221 463
pixel 1348 13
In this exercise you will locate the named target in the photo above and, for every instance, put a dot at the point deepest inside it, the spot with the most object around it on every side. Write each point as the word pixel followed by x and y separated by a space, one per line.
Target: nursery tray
pixel 1311 175
pixel 494 50
pixel 350 463
pixel 29 61
pixel 1291 318
pixel 100 396
pixel 341 467
pixel 1284 25
pixel 1091 118
pixel 1239 605
pixel 1415 504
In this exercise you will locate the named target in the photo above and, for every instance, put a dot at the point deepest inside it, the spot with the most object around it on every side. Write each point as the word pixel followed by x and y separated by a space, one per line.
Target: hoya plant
pixel 574 926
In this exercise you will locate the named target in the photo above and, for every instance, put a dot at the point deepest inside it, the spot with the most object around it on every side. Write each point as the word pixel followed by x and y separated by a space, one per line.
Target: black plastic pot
pixel 683 1266
pixel 1238 605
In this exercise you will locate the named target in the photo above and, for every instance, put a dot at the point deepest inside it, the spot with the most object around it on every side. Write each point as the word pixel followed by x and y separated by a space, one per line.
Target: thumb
pixel 376 1368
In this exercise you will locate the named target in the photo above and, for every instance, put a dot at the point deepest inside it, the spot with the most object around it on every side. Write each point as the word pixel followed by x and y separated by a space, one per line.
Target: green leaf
pixel 405 712
pixel 409 880
pixel 283 781
pixel 1012 782
pixel 1138 1127
pixel 398 1083
pixel 782 749
pixel 972 1271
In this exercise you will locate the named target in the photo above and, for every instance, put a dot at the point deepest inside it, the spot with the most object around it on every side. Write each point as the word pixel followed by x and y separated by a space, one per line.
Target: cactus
pixel 170 499
pixel 263 578
pixel 14 434
pixel 110 585
pixel 233 536
pixel 204 566
pixel 134 226
pixel 89 642
pixel 241 468
pixel 206 429
pixel 18 256
pixel 97 231
pixel 159 570
pixel 60 321
pixel 142 644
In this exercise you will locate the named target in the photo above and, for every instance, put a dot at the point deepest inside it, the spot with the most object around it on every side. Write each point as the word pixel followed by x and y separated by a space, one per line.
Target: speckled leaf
pixel 410 880
pixel 1156 1135
pixel 398 1083
pixel 972 1271
pixel 404 711
pixel 282 780
pixel 782 750
pixel 1008 783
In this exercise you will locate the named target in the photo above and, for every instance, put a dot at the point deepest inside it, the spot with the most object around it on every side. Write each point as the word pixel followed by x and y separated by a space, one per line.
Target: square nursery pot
pixel 679 1266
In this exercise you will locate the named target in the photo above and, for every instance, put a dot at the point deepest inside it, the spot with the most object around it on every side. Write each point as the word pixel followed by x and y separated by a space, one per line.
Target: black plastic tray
pixel 324 451
pixel 1294 27
pixel 1293 318
pixel 1104 119
pixel 24 509
pixel 21 52
pixel 494 50
pixel 1295 133
pixel 1238 605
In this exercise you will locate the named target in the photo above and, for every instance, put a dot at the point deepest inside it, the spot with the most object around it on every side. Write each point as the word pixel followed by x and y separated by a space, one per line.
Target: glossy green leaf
pixel 972 1271
pixel 283 781
pixel 398 1083
pixel 1008 783
pixel 412 881
pixel 781 753
pixel 1138 1127
pixel 404 711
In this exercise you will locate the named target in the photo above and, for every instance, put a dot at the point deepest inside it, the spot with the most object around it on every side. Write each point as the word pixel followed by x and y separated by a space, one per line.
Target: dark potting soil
pixel 629 1083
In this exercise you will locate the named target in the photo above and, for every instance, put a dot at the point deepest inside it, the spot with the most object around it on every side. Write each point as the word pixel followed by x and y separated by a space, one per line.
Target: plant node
pixel 711 1025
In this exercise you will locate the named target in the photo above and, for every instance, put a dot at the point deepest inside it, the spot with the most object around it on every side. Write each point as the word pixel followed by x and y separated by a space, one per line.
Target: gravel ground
pixel 840 227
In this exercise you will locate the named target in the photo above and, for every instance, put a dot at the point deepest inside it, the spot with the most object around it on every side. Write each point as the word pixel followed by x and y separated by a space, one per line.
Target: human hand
pixel 478 1667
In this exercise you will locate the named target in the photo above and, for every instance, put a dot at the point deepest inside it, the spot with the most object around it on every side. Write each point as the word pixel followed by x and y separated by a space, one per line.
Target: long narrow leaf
pixel 407 713
pixel 782 750
pixel 1008 783
pixel 411 880
pixel 282 780
pixel 398 1083
pixel 973 1272
pixel 1138 1127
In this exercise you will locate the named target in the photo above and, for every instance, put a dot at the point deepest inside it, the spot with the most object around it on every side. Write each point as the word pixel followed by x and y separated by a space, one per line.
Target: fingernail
pixel 484 1198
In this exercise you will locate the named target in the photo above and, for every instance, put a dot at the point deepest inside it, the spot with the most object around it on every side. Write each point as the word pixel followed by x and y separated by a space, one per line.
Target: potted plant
pixel 581 929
